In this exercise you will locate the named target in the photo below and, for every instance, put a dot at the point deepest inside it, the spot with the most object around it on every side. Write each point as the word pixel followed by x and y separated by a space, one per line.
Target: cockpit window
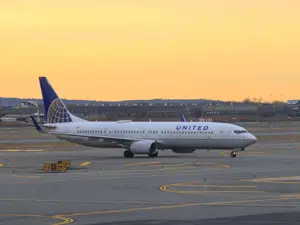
pixel 240 131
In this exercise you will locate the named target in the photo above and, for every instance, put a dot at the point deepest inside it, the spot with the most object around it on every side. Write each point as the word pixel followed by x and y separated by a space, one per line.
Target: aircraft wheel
pixel 233 154
pixel 128 154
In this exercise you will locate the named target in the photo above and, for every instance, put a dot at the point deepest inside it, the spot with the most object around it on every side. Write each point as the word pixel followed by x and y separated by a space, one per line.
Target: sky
pixel 146 49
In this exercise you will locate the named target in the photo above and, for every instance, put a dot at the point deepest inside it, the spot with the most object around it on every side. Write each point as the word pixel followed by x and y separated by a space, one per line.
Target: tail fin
pixel 182 119
pixel 55 110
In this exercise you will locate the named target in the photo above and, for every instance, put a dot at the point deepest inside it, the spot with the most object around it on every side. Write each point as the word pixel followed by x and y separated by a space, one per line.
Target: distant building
pixel 293 102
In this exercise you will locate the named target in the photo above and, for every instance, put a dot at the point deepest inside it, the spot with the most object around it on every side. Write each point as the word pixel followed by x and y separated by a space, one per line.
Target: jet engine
pixel 183 150
pixel 144 147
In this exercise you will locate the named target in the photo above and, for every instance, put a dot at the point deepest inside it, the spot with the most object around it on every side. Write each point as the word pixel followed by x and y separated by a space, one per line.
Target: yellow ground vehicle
pixel 55 167
pixel 67 162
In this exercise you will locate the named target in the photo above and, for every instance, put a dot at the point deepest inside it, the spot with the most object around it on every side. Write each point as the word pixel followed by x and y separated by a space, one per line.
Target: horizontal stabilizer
pixel 37 126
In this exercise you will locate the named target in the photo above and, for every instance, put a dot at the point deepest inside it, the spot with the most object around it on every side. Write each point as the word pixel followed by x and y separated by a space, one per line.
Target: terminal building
pixel 293 102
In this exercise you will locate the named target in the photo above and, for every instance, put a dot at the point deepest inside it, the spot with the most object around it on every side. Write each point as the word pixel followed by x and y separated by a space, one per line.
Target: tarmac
pixel 259 186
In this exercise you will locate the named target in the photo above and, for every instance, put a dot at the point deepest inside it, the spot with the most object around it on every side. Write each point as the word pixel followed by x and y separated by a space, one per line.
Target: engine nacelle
pixel 183 150
pixel 143 147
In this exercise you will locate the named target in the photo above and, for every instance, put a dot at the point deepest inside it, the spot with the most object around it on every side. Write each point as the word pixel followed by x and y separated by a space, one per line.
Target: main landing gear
pixel 128 154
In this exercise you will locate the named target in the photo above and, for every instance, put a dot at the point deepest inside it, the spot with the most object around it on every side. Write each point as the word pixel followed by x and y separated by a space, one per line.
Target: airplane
pixel 139 138
pixel 182 118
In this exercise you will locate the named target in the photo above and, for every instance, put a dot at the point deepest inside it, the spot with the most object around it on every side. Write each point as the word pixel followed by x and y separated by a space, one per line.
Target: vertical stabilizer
pixel 55 110
pixel 182 118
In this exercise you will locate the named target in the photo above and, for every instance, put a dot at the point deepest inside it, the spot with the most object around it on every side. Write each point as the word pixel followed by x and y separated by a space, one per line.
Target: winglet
pixel 37 126
pixel 182 119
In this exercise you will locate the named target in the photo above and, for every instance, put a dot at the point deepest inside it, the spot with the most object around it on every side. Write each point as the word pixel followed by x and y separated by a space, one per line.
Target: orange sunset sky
pixel 144 49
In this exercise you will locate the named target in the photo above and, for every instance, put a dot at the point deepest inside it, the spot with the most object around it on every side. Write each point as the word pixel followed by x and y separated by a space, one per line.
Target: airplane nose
pixel 252 138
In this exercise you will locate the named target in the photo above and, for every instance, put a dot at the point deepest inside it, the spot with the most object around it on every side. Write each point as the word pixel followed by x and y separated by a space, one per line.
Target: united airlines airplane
pixel 139 137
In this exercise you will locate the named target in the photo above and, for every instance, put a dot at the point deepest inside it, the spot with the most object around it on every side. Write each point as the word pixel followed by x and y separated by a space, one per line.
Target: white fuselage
pixel 170 135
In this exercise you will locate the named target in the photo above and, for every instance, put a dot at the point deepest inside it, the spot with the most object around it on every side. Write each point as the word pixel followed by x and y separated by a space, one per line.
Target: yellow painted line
pixel 246 153
pixel 85 163
pixel 191 173
pixel 1 165
pixel 177 165
pixel 277 180
pixel 36 150
pixel 212 192
pixel 84 202
pixel 141 163
pixel 174 206
pixel 292 195
pixel 21 215
pixel 66 220
pixel 27 176
pixel 211 185
pixel 21 150
pixel 165 189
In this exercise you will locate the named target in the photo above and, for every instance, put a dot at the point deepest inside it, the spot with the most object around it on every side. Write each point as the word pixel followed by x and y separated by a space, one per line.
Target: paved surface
pixel 260 186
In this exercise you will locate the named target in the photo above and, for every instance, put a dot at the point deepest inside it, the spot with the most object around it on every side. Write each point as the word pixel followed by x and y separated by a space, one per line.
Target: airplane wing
pixel 119 140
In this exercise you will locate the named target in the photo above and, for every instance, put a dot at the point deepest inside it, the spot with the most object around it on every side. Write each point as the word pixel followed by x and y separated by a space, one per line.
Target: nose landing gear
pixel 233 153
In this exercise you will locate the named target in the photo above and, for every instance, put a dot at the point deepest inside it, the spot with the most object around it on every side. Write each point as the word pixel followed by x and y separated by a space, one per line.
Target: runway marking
pixel 255 221
pixel 174 206
pixel 204 192
pixel 85 163
pixel 20 215
pixel 196 163
pixel 246 153
pixel 278 180
pixel 66 220
pixel 21 176
pixel 84 202
pixel 108 178
pixel 172 166
pixel 22 150
pixel 213 185
pixel 141 163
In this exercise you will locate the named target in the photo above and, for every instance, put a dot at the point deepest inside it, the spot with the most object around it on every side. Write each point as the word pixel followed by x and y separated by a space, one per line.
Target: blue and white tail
pixel 55 110
pixel 182 118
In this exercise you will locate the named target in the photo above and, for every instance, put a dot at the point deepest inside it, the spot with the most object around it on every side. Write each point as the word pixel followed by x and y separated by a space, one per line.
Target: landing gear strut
pixel 233 154
pixel 153 154
pixel 128 154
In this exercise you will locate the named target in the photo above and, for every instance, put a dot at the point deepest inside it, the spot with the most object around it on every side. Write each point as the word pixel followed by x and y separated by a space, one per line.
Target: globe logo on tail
pixel 58 113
